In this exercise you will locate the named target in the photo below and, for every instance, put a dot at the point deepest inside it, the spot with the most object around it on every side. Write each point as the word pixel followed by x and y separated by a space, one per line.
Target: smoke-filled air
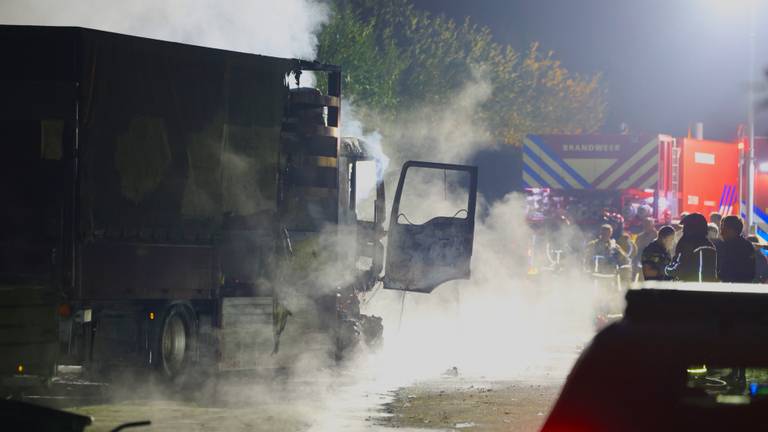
pixel 285 28
pixel 499 323
pixel 342 215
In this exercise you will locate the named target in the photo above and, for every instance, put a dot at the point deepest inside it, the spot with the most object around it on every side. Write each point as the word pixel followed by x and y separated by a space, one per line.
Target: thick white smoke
pixel 503 322
pixel 447 133
pixel 352 126
pixel 284 28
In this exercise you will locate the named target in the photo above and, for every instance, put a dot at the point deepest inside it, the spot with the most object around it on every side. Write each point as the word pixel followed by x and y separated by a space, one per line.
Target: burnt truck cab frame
pixel 422 256
pixel 166 203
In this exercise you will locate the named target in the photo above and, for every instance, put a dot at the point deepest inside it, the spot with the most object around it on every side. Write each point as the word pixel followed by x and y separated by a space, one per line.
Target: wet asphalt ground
pixel 331 400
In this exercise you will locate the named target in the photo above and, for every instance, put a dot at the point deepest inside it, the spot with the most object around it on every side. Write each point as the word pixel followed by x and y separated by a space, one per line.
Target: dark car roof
pixel 702 303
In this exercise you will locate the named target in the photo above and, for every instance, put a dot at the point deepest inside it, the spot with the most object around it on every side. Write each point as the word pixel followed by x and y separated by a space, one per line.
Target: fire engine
pixel 636 176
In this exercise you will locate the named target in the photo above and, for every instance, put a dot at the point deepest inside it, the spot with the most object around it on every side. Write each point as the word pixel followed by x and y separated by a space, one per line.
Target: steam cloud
pixel 284 28
pixel 502 322
pixel 448 133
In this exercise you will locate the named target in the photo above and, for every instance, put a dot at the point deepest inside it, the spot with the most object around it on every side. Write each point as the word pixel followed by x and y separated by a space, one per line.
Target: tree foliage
pixel 396 58
pixel 371 63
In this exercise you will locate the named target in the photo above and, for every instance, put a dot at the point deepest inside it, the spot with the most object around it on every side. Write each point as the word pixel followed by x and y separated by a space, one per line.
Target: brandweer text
pixel 591 147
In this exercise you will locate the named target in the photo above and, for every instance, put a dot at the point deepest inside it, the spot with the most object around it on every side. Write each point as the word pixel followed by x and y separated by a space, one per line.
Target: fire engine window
pixel 430 193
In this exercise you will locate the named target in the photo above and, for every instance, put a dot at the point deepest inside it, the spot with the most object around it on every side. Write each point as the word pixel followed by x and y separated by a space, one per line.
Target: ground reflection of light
pixel 502 323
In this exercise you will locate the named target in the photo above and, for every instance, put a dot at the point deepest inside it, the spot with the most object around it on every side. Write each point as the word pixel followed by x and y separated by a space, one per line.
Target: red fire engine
pixel 634 175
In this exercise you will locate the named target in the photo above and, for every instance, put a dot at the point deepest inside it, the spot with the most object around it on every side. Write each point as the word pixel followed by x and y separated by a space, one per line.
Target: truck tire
pixel 177 342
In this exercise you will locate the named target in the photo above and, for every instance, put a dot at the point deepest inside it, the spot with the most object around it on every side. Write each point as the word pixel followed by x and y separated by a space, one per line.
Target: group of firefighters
pixel 694 250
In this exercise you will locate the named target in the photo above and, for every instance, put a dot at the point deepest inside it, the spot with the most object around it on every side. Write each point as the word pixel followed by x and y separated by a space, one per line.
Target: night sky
pixel 666 63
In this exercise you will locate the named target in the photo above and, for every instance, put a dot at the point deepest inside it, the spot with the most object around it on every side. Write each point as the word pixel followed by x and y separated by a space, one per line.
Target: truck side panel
pixel 38 83
pixel 148 271
pixel 174 139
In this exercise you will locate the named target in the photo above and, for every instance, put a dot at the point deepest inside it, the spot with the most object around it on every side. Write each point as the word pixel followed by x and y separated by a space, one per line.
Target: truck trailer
pixel 181 208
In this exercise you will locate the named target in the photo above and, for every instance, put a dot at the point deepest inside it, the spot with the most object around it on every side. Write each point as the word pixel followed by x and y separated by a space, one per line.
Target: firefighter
pixel 557 236
pixel 715 218
pixel 761 262
pixel 695 258
pixel 616 222
pixel 630 250
pixel 713 234
pixel 603 255
pixel 736 257
pixel 656 256
pixel 646 237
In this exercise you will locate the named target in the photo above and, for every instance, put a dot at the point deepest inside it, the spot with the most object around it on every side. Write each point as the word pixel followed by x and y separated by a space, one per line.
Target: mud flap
pixel 245 337
pixel 28 332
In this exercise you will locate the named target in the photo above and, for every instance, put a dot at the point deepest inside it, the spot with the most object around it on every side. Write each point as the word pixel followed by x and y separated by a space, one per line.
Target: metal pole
pixel 751 118
pixel 742 210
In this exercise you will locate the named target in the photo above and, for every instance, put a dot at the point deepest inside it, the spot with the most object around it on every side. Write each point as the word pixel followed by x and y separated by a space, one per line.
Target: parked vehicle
pixel 688 356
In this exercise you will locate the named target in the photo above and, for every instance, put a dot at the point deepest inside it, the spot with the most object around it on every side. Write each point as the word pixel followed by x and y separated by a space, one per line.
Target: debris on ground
pixel 451 372
pixel 492 406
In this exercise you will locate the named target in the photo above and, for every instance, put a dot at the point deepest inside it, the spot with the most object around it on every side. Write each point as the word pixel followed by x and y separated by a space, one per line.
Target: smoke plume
pixel 446 133
pixel 283 28
pixel 502 322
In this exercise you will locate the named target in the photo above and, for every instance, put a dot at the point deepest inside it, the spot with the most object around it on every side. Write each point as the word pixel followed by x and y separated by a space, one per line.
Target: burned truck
pixel 178 208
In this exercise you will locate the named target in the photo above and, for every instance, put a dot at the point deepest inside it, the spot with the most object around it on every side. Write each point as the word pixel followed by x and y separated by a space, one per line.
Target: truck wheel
pixel 177 343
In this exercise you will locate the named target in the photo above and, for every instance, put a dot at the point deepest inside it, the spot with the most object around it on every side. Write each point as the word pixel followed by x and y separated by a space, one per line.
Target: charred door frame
pixel 472 170
pixel 410 278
